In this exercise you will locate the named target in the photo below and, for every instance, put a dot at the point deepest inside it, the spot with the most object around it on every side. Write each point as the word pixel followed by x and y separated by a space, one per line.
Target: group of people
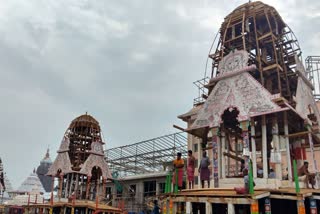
pixel 178 166
pixel 204 172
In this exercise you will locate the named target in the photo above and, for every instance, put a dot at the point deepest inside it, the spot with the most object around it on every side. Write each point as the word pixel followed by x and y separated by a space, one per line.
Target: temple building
pixel 31 183
pixel 2 185
pixel 80 171
pixel 8 184
pixel 5 185
pixel 259 110
pixel 29 193
pixel 80 165
pixel 43 169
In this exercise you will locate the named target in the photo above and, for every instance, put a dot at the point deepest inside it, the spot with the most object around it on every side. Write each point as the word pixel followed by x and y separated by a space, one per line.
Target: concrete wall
pixel 135 202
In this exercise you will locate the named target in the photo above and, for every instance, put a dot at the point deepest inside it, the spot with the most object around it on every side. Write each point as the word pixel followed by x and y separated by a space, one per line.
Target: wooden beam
pixel 233 156
pixel 178 127
pixel 298 134
pixel 214 200
pixel 285 197
pixel 273 66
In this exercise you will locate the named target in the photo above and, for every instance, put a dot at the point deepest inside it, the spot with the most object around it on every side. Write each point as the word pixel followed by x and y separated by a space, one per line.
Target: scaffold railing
pixel 147 156
pixel 313 74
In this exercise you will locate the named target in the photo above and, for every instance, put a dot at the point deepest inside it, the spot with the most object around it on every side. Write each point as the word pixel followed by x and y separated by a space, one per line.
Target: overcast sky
pixel 130 64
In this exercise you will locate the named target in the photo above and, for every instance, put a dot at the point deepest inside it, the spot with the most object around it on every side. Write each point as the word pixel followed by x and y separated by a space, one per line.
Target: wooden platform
pixel 78 203
pixel 228 195
pixel 218 195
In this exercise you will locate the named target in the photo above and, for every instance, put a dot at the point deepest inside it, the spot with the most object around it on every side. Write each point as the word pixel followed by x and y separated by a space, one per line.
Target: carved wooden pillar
pixel 81 187
pixel 76 186
pixel 215 149
pixel 264 146
pixel 52 187
pixel 276 146
pixel 104 187
pixel 223 160
pixel 88 186
pixel 313 158
pixel 286 136
pixel 253 149
pixel 246 144
pixel 208 208
pixel 60 185
pixel 70 184
pixel 66 195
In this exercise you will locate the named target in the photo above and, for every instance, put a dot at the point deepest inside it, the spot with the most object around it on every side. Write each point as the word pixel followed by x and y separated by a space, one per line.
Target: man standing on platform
pixel 204 169
pixel 178 165
pixel 190 169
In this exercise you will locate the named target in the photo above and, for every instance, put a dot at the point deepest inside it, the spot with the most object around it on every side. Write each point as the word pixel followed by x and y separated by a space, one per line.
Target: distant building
pixel 30 192
pixel 5 185
pixel 31 184
pixel 136 193
pixel 42 170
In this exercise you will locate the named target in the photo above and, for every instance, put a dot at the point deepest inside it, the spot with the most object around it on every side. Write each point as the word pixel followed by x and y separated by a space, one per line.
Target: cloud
pixel 130 64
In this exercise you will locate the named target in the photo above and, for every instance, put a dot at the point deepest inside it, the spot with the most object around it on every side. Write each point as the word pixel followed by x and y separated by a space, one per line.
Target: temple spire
pixel 47 154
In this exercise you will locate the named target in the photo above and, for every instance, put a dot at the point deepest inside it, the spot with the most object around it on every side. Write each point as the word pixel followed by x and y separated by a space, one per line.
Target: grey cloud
pixel 130 64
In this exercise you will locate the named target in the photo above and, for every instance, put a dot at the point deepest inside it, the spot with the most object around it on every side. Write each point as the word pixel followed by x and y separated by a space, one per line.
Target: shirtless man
pixel 309 177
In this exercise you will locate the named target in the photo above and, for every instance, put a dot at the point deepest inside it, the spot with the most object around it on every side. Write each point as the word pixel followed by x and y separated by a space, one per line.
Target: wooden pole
pixel 199 160
pixel 76 185
pixel 313 158
pixel 88 186
pixel 228 158
pixel 231 209
pixel 286 133
pixel 104 184
pixel 51 196
pixel 237 154
pixel 264 146
pixel 82 185
pixel 70 184
pixel 219 156
pixel 170 183
pixel 223 159
pixel 60 185
pixel 66 189
pixel 253 150
pixel 215 167
pixel 208 208
pixel 276 145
